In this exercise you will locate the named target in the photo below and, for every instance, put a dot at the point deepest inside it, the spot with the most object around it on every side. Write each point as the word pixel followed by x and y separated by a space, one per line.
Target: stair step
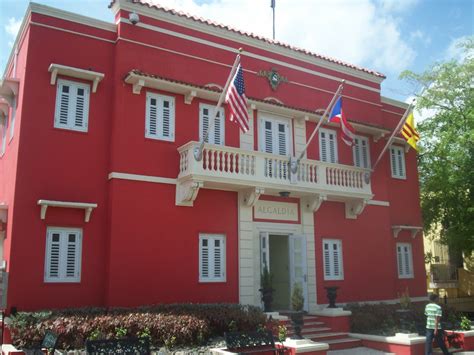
pixel 343 343
pixel 314 330
pixel 321 336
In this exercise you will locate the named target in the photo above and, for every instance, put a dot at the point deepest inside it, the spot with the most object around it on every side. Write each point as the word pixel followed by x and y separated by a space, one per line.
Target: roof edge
pixel 393 102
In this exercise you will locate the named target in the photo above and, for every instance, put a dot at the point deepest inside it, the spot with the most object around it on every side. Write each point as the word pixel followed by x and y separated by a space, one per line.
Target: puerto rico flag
pixel 337 115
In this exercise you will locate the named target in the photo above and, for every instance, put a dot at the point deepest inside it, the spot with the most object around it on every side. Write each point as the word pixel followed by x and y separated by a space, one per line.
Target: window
pixel 63 255
pixel 327 145
pixel 332 255
pixel 12 125
pixel 361 152
pixel 275 136
pixel 404 260
pixel 3 132
pixel 216 136
pixel 211 258
pixel 397 161
pixel 72 106
pixel 159 117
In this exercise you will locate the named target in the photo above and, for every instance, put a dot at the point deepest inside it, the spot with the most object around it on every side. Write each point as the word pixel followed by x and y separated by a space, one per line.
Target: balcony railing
pixel 443 276
pixel 235 169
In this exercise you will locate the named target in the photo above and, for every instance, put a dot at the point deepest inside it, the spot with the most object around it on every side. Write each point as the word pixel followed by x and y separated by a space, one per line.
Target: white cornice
pixel 70 16
pixel 243 39
pixel 393 102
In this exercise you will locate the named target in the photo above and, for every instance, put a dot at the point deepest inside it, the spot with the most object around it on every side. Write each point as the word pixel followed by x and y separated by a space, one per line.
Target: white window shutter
pixel 63 255
pixel 400 161
pixel 282 139
pixel 218 129
pixel 365 153
pixel 167 117
pixel 356 150
pixel 328 145
pixel 335 252
pixel 268 134
pixel 72 105
pixel 62 103
pixel 81 107
pixel 204 121
pixel 332 147
pixel 397 162
pixel 159 117
pixel 211 258
pixel 53 255
pixel 152 116
pixel 323 146
pixel 393 162
pixel 204 258
pixel 332 255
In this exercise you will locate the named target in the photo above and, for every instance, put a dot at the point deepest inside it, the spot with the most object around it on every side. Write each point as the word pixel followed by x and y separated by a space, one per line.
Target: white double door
pixel 297 264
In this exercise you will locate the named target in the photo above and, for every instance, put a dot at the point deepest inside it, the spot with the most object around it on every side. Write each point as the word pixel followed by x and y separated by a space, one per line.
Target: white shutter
pixel 72 105
pixel 328 145
pixel 361 152
pixel 397 162
pixel 160 117
pixel 216 136
pixel 404 260
pixel 63 255
pixel 211 258
pixel 400 260
pixel 282 139
pixel 268 136
pixel 332 255
pixel 356 151
pixel 365 153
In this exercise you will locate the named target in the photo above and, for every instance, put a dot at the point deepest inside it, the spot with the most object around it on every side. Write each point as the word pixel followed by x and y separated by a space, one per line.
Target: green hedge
pixel 165 325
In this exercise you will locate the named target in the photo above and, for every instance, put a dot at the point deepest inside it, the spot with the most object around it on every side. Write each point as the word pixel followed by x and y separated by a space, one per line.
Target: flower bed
pixel 168 325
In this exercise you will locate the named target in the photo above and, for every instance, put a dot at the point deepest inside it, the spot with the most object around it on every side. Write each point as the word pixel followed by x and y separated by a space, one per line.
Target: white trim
pixel 144 178
pixel 70 16
pixel 160 109
pixel 87 207
pixel 245 39
pixel 394 160
pixel 71 107
pixel 413 230
pixel 399 338
pixel 331 275
pixel 400 255
pixel 58 69
pixel 393 102
pixel 378 203
pixel 328 131
pixel 73 32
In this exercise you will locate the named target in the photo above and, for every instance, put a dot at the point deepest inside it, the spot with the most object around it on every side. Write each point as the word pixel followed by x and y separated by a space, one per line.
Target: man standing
pixel 433 315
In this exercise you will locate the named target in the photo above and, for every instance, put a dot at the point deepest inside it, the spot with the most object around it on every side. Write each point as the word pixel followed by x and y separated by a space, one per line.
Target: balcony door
pixel 274 135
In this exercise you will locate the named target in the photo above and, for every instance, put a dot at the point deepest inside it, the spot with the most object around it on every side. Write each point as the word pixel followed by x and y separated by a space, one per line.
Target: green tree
pixel 446 156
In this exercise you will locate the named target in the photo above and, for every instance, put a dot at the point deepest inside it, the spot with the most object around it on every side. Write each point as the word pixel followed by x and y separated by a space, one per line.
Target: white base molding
pixel 399 338
pixel 331 312
pixel 304 345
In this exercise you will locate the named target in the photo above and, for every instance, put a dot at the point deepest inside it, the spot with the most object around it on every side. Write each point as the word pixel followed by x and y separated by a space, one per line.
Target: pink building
pixel 102 202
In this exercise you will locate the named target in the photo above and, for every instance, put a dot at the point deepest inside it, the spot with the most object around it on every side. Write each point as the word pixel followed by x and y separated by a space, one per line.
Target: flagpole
pixel 397 129
pixel 295 162
pixel 273 7
pixel 198 150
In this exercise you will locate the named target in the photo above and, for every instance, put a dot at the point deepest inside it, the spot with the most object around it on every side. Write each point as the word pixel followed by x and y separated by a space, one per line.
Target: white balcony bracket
pixel 314 202
pixel 379 136
pixel 413 230
pixel 188 98
pixel 137 87
pixel 4 106
pixel 354 208
pixel 187 191
pixel 9 89
pixel 87 207
pixel 58 69
pixel 251 196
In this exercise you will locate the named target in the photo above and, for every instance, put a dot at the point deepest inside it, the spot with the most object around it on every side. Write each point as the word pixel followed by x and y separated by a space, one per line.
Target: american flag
pixel 237 101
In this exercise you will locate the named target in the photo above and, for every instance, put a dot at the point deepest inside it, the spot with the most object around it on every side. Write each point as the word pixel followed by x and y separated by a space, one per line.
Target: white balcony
pixel 235 169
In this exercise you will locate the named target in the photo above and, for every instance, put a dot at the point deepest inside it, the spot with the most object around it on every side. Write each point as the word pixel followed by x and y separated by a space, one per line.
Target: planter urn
pixel 331 293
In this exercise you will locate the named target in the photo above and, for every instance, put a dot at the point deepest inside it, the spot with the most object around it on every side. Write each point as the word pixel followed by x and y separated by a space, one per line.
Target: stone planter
pixel 297 321
pixel 267 298
pixel 331 293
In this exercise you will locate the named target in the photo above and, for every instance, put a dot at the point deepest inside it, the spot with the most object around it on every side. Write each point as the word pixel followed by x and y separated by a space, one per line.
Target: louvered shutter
pixel 204 258
pixel 327 261
pixel 357 151
pixel 160 117
pixel 323 146
pixel 332 147
pixel 218 129
pixel 397 162
pixel 282 139
pixel 400 162
pixel 327 145
pixel 218 251
pixel 63 254
pixel 216 135
pixel 204 124
pixel 335 260
pixel 404 260
pixel 400 260
pixel 72 105
pixel 365 153
pixel 268 135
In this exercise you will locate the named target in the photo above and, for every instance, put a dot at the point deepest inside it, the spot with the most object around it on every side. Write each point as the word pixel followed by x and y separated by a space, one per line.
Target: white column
pixel 307 224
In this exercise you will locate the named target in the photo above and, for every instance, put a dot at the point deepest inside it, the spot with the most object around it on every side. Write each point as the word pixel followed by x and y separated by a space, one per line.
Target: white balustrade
pixel 234 166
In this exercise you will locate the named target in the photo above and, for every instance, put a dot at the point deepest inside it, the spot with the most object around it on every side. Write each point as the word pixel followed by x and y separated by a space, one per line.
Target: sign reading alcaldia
pixel 283 211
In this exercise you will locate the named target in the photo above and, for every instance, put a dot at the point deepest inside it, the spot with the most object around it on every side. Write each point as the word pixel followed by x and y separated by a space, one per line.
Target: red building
pixel 103 203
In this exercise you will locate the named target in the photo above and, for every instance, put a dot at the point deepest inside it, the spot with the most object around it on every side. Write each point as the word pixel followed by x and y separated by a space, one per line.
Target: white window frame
pixel 221 118
pixel 159 135
pixel 336 154
pixel 331 274
pixel 70 125
pixel 399 163
pixel 276 120
pixel 405 261
pixel 358 146
pixel 12 124
pixel 63 234
pixel 4 136
pixel 211 238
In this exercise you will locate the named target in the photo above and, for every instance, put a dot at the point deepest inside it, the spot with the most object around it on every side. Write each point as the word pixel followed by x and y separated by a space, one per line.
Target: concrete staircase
pixel 317 331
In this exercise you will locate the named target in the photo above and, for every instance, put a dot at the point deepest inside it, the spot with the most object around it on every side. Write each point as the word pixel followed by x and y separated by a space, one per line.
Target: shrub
pixel 465 323
pixel 169 325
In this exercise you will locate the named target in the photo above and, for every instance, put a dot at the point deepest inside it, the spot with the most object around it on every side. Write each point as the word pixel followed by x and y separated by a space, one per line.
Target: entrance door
pixel 298 266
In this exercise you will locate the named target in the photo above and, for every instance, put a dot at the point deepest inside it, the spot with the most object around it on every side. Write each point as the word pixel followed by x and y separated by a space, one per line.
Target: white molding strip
pixel 247 53
pixel 145 178
pixel 378 203
pixel 394 113
pixel 245 39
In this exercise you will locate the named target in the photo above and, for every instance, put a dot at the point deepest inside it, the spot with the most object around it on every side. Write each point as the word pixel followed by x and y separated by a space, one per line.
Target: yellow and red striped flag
pixel 409 131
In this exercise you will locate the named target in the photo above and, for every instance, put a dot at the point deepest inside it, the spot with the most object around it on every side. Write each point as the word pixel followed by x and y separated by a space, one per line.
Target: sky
pixel 388 36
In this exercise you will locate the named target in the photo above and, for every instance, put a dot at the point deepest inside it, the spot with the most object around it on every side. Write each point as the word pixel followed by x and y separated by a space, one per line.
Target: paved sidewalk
pixel 358 351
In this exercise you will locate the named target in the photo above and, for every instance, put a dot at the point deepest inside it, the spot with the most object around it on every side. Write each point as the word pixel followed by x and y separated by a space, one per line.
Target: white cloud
pixel 361 32
pixel 12 28
pixel 420 36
